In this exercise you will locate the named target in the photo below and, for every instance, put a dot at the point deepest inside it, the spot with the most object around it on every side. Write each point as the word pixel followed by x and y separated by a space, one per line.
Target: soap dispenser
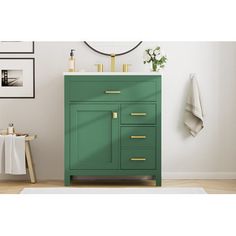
pixel 10 129
pixel 72 61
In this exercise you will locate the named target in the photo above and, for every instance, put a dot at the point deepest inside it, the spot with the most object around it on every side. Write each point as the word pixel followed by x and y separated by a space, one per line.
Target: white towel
pixel 15 155
pixel 2 156
pixel 193 118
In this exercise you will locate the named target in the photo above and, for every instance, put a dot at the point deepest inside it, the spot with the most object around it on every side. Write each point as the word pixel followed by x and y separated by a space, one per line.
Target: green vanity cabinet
pixel 112 125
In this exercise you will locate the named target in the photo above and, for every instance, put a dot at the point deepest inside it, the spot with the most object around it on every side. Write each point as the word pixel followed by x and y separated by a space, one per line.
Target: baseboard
pixel 176 175
pixel 165 175
pixel 199 175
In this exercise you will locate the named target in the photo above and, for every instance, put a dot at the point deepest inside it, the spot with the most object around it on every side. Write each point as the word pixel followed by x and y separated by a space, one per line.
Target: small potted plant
pixel 155 57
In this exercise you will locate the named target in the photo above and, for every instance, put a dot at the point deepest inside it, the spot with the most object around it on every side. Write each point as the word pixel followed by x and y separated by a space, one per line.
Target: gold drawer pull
pixel 138 113
pixel 112 92
pixel 137 136
pixel 138 159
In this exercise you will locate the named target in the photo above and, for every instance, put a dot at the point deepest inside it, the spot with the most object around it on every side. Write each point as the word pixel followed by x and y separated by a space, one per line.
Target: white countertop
pixel 111 73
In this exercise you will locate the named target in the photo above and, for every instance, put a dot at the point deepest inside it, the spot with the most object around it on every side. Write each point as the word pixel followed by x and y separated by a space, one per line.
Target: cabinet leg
pixel 67 181
pixel 158 181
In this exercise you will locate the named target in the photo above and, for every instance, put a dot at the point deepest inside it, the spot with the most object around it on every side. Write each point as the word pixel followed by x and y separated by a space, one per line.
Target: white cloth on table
pixel 2 139
pixel 15 155
pixel 193 110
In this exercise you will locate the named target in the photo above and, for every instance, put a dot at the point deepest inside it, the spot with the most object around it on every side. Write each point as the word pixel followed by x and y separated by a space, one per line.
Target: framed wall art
pixel 16 47
pixel 17 78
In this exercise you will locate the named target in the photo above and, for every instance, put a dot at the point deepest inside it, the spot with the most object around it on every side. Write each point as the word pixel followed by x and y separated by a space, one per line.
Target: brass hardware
pixel 138 113
pixel 112 92
pixel 99 67
pixel 138 159
pixel 113 62
pixel 126 67
pixel 137 137
pixel 114 115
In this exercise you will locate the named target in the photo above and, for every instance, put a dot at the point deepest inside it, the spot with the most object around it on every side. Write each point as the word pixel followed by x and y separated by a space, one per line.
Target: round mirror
pixel 112 48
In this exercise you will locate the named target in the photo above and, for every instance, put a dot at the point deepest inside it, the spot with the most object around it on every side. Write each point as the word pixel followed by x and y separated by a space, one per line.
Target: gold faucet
pixel 126 67
pixel 113 62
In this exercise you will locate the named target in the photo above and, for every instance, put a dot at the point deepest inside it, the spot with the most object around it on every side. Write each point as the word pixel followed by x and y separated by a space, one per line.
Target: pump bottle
pixel 72 61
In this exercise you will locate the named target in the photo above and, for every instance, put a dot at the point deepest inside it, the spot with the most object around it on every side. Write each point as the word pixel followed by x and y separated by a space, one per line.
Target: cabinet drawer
pixel 137 159
pixel 112 91
pixel 138 114
pixel 138 136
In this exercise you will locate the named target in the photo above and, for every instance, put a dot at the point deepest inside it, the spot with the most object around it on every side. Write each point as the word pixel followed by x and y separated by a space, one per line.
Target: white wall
pixel 212 154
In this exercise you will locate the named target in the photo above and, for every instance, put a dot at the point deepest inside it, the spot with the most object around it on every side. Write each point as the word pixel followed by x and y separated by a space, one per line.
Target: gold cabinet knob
pixel 114 115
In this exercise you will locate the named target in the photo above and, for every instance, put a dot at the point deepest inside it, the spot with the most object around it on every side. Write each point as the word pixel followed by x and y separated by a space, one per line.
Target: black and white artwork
pixel 12 78
pixel 17 78
pixel 16 47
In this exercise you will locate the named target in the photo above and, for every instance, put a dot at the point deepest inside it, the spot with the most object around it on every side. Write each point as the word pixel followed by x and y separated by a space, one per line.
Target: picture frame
pixel 17 78
pixel 17 47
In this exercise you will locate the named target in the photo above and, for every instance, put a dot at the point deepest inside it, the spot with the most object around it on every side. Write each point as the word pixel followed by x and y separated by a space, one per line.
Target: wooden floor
pixel 210 186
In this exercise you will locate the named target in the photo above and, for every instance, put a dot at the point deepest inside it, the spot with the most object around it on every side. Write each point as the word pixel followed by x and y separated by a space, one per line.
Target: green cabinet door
pixel 94 136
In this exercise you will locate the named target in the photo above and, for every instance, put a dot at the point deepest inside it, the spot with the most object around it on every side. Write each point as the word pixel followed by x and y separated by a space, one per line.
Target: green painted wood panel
pixel 149 134
pixel 134 113
pixel 94 137
pixel 97 91
pixel 129 156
